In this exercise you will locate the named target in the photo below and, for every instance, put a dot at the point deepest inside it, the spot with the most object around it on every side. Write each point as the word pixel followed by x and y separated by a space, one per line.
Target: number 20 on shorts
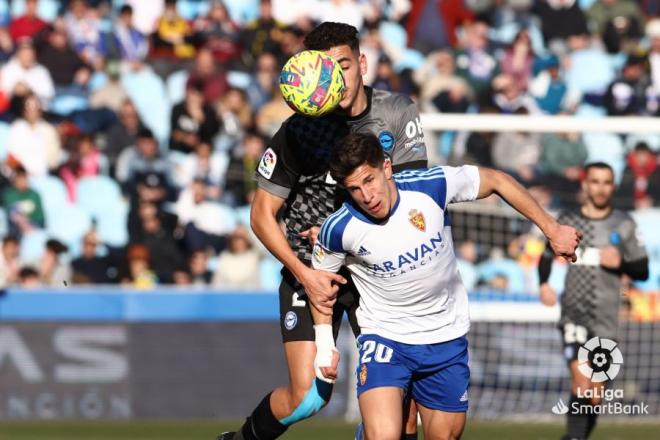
pixel 381 353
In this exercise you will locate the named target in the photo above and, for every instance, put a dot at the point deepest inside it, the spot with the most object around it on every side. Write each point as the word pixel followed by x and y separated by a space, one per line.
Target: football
pixel 312 83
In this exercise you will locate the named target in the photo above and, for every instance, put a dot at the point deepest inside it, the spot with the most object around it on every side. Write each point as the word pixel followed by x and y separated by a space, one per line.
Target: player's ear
pixel 362 60
pixel 387 168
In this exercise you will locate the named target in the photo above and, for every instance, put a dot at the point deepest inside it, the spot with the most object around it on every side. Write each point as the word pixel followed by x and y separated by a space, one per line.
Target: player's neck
pixel 360 103
pixel 595 213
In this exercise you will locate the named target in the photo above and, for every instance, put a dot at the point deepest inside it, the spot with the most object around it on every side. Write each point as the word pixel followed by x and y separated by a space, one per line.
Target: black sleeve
pixel 545 267
pixel 278 171
pixel 638 270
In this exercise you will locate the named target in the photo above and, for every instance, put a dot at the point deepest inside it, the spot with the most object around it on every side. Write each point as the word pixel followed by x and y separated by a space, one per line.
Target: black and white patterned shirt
pixel 296 165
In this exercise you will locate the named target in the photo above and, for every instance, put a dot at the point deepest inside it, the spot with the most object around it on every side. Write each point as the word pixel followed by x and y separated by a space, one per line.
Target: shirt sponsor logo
pixel 417 219
pixel 410 260
pixel 386 140
pixel 267 163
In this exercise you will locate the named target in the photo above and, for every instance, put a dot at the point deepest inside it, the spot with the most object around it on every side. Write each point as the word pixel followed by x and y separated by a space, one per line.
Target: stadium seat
pixel 32 245
pixel 652 140
pixel 409 59
pixel 70 226
pixel 66 104
pixel 46 9
pixel 468 273
pixel 147 91
pixel 647 223
pixel 239 80
pixel 191 9
pixel 176 86
pixel 4 13
pixel 4 223
pixel 269 274
pixel 242 11
pixel 101 198
pixel 96 81
pixel 508 268
pixel 590 71
pixel 393 34
pixel 4 132
pixel 608 148
pixel 53 195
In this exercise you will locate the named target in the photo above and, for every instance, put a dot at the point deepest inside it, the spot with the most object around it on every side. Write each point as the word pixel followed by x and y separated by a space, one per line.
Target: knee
pixel 304 403
pixel 445 435
pixel 382 431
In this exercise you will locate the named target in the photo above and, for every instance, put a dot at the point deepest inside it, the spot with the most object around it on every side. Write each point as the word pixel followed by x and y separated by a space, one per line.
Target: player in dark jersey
pixel 294 182
pixel 610 248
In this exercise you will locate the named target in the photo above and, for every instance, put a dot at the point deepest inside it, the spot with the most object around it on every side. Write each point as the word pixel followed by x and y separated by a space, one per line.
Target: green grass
pixel 315 430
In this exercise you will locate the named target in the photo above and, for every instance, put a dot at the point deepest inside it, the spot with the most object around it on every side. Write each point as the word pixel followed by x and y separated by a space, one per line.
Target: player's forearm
pixel 493 181
pixel 268 231
pixel 318 317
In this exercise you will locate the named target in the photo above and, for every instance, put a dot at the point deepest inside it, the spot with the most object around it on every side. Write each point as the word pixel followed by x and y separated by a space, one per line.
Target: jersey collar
pixel 369 91
pixel 360 215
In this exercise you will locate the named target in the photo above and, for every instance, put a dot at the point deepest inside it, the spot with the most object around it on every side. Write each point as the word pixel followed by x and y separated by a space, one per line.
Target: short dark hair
pixel 330 34
pixel 598 166
pixel 126 9
pixel 355 150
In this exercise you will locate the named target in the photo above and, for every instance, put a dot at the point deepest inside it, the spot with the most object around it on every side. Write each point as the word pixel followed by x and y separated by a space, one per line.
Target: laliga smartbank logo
pixel 600 360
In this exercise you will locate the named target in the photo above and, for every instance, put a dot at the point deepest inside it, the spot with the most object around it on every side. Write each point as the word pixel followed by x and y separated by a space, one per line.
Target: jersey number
pixel 574 334
pixel 383 353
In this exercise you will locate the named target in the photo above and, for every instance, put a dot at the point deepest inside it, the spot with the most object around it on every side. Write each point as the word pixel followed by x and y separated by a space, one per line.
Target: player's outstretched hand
pixel 548 295
pixel 311 234
pixel 564 241
pixel 326 363
pixel 321 288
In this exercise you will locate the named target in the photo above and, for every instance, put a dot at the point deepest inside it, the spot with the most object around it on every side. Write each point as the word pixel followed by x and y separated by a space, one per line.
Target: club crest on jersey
pixel 267 163
pixel 363 374
pixel 319 253
pixel 386 140
pixel 417 219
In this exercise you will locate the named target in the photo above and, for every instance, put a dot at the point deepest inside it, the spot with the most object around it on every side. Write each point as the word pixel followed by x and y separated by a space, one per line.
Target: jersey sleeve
pixel 329 252
pixel 632 242
pixel 462 183
pixel 409 150
pixel 277 172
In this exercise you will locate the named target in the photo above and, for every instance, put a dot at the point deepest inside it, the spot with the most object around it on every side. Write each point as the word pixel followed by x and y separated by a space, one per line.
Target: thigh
pixel 439 424
pixel 442 380
pixel 381 363
pixel 381 410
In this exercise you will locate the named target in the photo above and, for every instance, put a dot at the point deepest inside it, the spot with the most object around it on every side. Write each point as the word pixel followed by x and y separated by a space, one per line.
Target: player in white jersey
pixel 394 236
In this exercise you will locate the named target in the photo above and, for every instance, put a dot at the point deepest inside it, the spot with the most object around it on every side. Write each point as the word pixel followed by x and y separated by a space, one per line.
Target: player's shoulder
pixel 619 216
pixel 391 100
pixel 331 235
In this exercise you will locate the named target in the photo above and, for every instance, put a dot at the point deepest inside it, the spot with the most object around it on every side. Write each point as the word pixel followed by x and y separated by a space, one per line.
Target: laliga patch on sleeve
pixel 267 164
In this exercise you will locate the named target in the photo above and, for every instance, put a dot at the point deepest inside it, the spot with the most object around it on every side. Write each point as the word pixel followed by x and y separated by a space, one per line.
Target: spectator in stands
pixel 386 78
pixel 84 27
pixel 173 34
pixel 211 75
pixel 22 205
pixel 24 71
pixel 653 32
pixel 438 75
pixel 453 100
pixel 207 165
pixel 53 271
pixel 640 183
pixel 509 98
pixel 200 275
pixel 84 160
pixel 66 67
pixel 201 218
pixel 236 116
pixel 238 264
pixel 217 32
pixel 143 172
pixel 138 272
pixel 6 46
pixel 261 35
pixel 549 88
pixel 192 120
pixel 9 261
pixel 271 115
pixel 112 95
pixel 27 25
pixel 518 59
pixel 32 142
pixel 90 268
pixel 340 11
pixel 618 22
pixel 626 95
pixel 518 153
pixel 562 158
pixel 130 44
pixel 165 255
pixel 432 25
pixel 240 186
pixel 144 211
pixel 28 278
pixel 560 19
pixel 263 81
pixel 475 62
pixel 124 133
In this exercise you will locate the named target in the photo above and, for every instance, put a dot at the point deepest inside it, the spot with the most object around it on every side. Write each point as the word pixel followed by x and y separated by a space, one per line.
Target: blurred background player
pixel 610 251
pixel 294 179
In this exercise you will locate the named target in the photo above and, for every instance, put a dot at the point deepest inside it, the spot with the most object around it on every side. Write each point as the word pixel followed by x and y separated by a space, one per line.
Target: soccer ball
pixel 312 83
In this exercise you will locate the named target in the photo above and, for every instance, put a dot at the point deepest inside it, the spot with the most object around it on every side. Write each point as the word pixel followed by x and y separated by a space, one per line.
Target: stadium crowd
pixel 130 130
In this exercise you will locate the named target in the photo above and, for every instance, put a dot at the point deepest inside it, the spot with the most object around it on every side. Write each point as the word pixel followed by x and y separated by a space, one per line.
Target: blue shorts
pixel 437 375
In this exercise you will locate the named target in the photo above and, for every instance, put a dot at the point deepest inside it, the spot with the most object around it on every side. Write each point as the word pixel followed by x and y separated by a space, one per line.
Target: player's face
pixel 371 188
pixel 353 66
pixel 598 187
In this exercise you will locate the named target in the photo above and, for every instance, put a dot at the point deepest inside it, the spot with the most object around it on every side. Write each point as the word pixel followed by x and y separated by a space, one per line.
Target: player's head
pixel 358 163
pixel 598 184
pixel 340 41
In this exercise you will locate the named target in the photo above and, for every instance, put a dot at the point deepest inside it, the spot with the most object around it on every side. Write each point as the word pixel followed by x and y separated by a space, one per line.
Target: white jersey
pixel 404 267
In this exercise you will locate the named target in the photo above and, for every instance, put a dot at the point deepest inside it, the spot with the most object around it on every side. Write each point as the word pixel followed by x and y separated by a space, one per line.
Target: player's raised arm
pixel 562 239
